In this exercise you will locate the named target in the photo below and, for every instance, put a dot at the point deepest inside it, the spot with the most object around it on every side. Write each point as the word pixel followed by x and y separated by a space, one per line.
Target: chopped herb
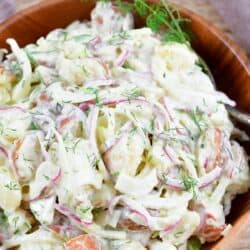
pixel 133 93
pixel 3 219
pixel 127 65
pixel 93 160
pixel 17 231
pixel 118 38
pixel 115 174
pixel 160 17
pixel 15 220
pixel 34 126
pixel 26 159
pixel 42 52
pixel 178 234
pixel 94 91
pixel 85 71
pixel 84 210
pixel 152 125
pixel 27 225
pixel 12 186
pixel 81 37
pixel 194 244
pixel 46 177
pixel 189 184
pixel 75 145
pixel 198 117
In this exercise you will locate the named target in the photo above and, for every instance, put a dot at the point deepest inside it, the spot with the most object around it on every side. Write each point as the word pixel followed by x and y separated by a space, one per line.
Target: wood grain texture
pixel 228 63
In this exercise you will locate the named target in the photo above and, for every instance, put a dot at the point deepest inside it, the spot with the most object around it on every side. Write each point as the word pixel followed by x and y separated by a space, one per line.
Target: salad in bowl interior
pixel 113 138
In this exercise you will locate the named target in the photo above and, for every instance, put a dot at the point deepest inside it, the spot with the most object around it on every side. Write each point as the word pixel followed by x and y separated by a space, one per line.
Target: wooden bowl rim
pixel 228 42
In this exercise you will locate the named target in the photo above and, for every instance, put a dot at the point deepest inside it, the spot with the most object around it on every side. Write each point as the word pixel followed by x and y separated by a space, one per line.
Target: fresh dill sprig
pixel 159 17
pixel 198 117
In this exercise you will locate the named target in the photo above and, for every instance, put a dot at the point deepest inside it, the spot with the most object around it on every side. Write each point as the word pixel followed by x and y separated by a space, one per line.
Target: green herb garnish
pixel 194 244
pixel 189 184
pixel 160 17
pixel 94 91
pixel 133 93
pixel 3 219
pixel 34 126
pixel 12 186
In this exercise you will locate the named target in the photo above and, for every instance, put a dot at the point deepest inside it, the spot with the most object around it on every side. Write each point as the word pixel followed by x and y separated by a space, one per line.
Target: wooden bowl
pixel 228 63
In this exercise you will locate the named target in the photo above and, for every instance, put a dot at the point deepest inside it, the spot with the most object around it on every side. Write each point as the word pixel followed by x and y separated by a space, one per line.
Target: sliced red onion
pixel 4 152
pixel 96 40
pixel 206 163
pixel 167 154
pixel 174 184
pixel 55 180
pixel 65 230
pixel 71 215
pixel 166 107
pixel 85 105
pixel 51 184
pixel 124 131
pixel 144 217
pixel 132 206
pixel 209 178
pixel 10 108
pixel 122 58
pixel 173 226
pixel 98 83
pixel 118 101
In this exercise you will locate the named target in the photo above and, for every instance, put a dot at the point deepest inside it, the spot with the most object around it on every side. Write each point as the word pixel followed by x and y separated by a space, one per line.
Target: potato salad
pixel 111 139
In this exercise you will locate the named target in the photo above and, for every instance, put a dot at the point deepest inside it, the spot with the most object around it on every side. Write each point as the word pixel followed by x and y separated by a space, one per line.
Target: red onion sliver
pixel 55 180
pixel 125 129
pixel 174 184
pixel 166 107
pixel 122 58
pixel 51 184
pixel 206 163
pixel 85 105
pixel 209 178
pixel 167 154
pixel 2 109
pixel 71 215
pixel 144 217
pixel 4 152
pixel 95 41
pixel 171 227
